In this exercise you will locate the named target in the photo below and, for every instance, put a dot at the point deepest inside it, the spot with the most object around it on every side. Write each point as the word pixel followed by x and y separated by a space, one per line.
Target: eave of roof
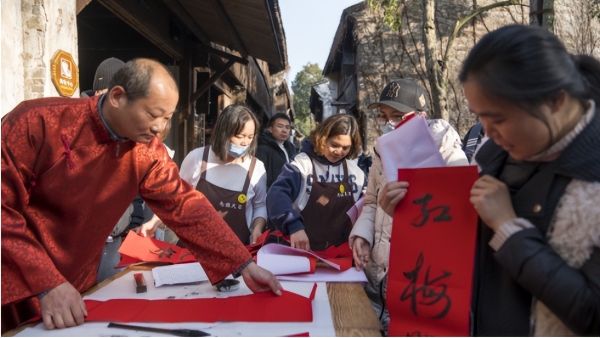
pixel 340 34
pixel 251 27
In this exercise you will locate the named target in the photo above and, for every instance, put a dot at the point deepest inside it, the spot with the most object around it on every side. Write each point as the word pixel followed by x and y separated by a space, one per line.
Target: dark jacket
pixel 271 155
pixel 506 281
pixel 87 93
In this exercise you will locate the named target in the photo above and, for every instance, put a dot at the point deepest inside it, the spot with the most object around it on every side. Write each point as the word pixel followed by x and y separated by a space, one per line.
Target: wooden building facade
pixel 220 51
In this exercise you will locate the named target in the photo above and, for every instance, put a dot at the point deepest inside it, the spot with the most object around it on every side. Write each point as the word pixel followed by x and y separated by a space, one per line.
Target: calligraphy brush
pixel 179 332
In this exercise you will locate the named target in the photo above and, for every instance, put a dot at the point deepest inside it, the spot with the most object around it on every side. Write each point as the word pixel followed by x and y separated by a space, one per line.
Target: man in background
pixel 104 73
pixel 274 149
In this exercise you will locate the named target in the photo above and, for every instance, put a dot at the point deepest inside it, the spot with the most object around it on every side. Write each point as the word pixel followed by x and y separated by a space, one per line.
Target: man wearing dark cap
pixel 370 236
pixel 65 160
pixel 104 73
pixel 402 98
pixel 274 149
pixel 398 100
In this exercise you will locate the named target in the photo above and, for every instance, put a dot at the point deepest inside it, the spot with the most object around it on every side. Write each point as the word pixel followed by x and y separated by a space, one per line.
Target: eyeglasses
pixel 381 120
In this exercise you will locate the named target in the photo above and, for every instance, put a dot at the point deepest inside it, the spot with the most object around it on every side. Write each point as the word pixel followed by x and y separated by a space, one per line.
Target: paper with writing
pixel 136 249
pixel 179 274
pixel 256 307
pixel 432 253
pixel 321 326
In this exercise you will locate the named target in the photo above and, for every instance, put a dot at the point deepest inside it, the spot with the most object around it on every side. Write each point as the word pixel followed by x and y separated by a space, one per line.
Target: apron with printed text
pixel 230 204
pixel 325 220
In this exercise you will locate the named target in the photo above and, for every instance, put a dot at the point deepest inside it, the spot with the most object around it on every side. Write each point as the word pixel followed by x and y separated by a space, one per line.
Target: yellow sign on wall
pixel 64 73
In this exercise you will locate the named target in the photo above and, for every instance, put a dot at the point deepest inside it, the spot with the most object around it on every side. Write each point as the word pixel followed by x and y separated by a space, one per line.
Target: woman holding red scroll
pixel 537 268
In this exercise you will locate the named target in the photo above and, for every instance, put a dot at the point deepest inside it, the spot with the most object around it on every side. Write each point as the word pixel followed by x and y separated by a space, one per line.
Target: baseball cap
pixel 105 72
pixel 404 96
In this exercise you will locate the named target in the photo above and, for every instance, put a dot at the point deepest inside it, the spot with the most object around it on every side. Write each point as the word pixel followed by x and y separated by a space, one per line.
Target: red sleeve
pixel 191 216
pixel 26 267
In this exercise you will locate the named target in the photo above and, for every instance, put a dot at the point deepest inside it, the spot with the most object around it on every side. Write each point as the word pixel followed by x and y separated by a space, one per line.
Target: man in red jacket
pixel 70 168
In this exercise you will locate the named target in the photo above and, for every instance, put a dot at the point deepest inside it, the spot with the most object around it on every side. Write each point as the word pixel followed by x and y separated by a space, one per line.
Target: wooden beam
pixel 229 28
pixel 212 80
pixel 187 19
pixel 80 5
pixel 186 106
pixel 223 87
pixel 272 21
pixel 220 53
pixel 149 18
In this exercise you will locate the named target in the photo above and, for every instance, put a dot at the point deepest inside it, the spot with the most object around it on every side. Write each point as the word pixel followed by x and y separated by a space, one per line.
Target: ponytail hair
pixel 589 68
pixel 529 66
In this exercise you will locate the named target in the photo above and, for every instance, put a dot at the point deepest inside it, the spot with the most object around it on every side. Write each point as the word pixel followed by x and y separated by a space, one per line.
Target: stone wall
pixel 577 29
pixel 384 54
pixel 32 31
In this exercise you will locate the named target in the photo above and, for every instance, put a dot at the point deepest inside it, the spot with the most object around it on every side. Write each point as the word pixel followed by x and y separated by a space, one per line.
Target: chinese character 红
pixel 442 217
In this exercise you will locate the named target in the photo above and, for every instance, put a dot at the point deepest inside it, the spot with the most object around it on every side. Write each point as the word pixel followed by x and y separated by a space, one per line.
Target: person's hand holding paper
pixel 410 145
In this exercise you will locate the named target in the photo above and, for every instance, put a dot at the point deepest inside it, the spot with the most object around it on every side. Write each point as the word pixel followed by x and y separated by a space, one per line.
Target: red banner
pixel 432 253
pixel 256 307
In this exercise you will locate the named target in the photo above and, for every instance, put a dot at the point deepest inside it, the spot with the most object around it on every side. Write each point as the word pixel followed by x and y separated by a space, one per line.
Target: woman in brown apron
pixel 311 196
pixel 229 175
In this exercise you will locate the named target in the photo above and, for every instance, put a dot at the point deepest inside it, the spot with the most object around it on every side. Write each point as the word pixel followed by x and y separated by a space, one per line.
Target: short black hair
pixel 135 77
pixel 278 116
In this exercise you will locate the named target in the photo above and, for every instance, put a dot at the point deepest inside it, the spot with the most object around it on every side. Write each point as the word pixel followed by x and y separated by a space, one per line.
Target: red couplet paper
pixel 432 253
pixel 257 307
pixel 137 249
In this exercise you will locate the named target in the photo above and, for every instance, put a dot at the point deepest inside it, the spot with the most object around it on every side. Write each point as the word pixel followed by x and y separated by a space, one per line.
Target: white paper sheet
pixel 123 288
pixel 409 146
pixel 328 275
pixel 322 325
pixel 179 274
pixel 283 264
pixel 278 249
pixel 356 209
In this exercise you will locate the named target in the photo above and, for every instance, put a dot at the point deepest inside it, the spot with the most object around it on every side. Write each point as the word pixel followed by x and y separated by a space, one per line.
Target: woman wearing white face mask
pixel 229 175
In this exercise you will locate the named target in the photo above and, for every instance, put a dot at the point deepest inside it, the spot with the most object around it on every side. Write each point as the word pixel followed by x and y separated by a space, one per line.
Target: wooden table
pixel 353 315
